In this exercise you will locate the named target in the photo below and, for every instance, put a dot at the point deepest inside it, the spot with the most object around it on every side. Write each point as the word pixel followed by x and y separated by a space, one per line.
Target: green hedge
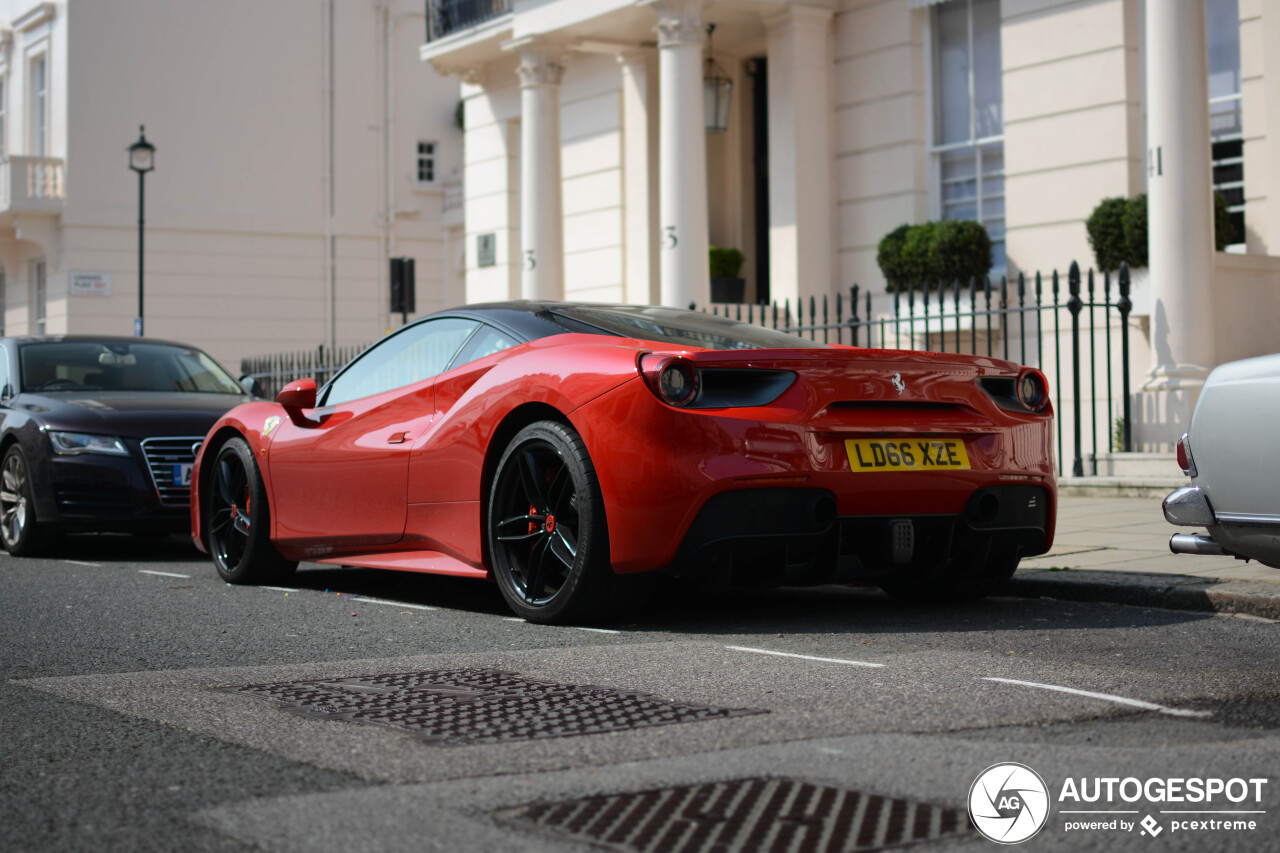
pixel 1118 230
pixel 934 253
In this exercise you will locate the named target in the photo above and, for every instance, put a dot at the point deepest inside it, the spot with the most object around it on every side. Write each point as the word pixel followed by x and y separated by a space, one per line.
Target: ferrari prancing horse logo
pixel 270 424
pixel 899 384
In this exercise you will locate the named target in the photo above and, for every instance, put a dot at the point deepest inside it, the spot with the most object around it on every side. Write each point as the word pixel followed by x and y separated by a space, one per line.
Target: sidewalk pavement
pixel 1117 549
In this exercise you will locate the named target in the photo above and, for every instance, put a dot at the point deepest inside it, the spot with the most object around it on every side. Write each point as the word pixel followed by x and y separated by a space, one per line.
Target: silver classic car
pixel 1235 470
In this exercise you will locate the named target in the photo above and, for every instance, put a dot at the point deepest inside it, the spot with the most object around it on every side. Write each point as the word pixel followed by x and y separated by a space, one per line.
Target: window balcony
pixel 31 185
pixel 449 17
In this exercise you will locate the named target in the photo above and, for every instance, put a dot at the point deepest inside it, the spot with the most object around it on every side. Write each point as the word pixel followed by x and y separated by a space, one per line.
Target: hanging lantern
pixel 716 87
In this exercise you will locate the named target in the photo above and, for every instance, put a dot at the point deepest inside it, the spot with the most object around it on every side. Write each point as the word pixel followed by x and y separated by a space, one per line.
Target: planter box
pixel 727 289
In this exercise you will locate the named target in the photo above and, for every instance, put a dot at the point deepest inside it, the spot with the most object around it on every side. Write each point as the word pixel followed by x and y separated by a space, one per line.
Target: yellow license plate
pixel 906 454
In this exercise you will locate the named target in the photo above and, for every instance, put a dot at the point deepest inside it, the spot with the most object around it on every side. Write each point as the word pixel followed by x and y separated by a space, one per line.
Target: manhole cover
pixel 777 815
pixel 476 706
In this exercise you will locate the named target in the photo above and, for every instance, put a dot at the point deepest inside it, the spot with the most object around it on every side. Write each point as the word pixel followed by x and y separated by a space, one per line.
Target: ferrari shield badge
pixel 270 424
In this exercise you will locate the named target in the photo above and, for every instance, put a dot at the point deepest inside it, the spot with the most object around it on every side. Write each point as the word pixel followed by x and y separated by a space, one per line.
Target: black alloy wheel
pixel 239 521
pixel 547 536
pixel 21 533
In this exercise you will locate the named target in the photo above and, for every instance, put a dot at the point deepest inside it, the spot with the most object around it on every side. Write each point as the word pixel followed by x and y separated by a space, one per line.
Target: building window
pixel 968 143
pixel 39 297
pixel 426 162
pixel 1226 127
pixel 39 107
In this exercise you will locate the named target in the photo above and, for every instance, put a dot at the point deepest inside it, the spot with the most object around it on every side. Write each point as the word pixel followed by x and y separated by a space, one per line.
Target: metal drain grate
pixel 475 706
pixel 777 815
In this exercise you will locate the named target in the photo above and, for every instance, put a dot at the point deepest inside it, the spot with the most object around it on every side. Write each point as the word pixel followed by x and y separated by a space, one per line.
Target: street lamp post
pixel 142 159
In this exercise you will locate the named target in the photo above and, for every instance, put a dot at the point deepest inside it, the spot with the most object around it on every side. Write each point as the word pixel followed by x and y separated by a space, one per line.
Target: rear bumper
pixel 1239 535
pixel 794 536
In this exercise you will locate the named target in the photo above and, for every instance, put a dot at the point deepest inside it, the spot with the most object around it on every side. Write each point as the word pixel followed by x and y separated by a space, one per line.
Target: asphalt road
pixel 124 724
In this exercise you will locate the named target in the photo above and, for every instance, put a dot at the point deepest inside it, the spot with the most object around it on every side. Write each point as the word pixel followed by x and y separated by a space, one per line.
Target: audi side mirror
pixel 251 386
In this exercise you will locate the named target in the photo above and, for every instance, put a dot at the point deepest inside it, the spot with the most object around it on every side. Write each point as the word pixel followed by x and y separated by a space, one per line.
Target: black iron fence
pixel 1074 328
pixel 446 17
pixel 273 372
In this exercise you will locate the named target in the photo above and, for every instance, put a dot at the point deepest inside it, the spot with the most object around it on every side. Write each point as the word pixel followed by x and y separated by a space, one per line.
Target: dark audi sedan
pixel 99 433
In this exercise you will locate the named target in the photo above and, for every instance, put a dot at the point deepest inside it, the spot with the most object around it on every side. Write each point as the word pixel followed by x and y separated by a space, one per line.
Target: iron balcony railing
pixel 446 17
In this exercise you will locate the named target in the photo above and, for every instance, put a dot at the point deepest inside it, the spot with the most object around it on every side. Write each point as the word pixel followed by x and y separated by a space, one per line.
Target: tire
pixel 963 584
pixel 20 532
pixel 547 535
pixel 239 520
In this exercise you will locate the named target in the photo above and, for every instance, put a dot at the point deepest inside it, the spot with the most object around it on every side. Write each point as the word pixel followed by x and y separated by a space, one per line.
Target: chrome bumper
pixel 1188 507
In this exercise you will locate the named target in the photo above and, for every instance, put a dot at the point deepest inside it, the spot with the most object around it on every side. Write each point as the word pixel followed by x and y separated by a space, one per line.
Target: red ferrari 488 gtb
pixel 571 451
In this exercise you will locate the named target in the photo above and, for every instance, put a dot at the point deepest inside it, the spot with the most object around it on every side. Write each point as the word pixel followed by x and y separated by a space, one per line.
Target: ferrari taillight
pixel 673 378
pixel 679 382
pixel 1033 389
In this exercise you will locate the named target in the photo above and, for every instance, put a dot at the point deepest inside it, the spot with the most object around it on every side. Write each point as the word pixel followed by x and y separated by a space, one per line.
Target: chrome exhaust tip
pixel 1195 543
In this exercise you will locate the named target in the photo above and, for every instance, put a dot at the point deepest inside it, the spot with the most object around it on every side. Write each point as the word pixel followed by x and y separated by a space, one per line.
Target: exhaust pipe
pixel 1195 543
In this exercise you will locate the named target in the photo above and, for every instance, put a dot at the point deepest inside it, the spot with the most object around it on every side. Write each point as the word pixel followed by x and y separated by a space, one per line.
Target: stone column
pixel 640 174
pixel 541 207
pixel 1179 196
pixel 685 274
pixel 801 163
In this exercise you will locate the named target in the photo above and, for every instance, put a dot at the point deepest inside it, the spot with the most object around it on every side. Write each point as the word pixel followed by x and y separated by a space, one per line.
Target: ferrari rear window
pixel 673 326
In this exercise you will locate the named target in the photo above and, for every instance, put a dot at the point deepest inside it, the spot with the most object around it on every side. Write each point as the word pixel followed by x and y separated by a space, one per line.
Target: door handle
pixel 398 438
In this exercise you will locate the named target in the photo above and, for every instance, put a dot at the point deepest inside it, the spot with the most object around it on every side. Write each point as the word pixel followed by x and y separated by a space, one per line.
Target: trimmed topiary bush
pixel 889 256
pixel 962 249
pixel 726 262
pixel 1107 235
pixel 934 253
pixel 1118 230
pixel 1134 219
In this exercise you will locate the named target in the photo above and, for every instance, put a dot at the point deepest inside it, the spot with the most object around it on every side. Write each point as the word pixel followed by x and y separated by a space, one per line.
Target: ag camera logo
pixel 1009 803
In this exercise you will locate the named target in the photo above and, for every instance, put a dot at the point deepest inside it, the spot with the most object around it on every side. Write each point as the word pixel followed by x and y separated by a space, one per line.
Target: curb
pixel 1170 592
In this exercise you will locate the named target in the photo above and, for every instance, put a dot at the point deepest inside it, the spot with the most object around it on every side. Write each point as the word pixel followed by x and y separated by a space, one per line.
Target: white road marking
pixel 279 588
pixel 1106 697
pixel 163 574
pixel 803 657
pixel 82 563
pixel 363 600
pixel 578 627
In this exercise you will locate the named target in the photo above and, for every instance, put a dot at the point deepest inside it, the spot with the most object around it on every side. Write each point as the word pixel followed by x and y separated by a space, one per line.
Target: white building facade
pixel 859 115
pixel 299 147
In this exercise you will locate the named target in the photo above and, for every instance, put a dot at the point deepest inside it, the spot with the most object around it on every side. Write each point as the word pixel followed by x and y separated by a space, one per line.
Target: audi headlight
pixel 75 443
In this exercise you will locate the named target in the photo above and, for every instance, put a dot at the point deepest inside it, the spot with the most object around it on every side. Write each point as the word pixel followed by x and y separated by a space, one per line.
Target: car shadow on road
pixel 786 610
pixel 427 590
pixel 126 548
pixel 832 609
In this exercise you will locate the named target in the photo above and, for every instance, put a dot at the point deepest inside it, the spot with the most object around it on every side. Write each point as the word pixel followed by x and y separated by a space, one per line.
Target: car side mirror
pixel 251 386
pixel 297 396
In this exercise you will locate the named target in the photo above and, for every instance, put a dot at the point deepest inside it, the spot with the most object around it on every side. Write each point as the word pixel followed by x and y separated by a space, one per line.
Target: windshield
pixel 683 328
pixel 121 366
